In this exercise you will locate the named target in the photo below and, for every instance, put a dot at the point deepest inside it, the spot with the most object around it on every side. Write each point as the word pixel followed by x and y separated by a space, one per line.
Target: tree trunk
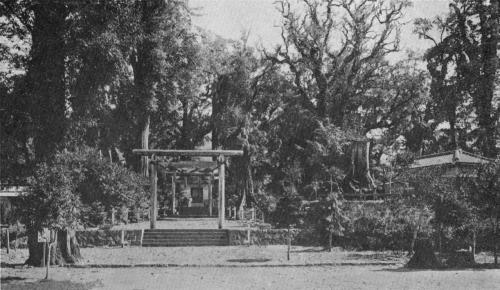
pixel 474 243
pixel 64 251
pixel 186 129
pixel 495 238
pixel 489 62
pixel 440 238
pixel 330 240
pixel 415 233
pixel 46 76
pixel 145 145
pixel 413 239
pixel 241 207
pixel 360 165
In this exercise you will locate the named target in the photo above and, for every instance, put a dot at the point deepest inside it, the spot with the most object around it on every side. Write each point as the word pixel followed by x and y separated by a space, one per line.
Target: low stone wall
pixel 262 237
pixel 110 238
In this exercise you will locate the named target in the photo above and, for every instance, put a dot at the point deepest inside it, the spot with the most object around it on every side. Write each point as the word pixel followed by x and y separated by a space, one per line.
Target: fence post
pixel 8 240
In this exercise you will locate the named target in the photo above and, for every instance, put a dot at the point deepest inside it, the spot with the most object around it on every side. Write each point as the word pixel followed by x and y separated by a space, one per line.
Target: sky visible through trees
pixel 229 18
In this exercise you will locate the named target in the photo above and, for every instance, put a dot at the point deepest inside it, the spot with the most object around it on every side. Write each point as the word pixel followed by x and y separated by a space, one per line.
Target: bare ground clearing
pixel 365 270
pixel 230 255
pixel 347 277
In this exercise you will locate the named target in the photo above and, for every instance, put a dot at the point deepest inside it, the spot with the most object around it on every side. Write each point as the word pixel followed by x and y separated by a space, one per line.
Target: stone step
pixel 180 238
pixel 148 241
pixel 222 238
pixel 185 230
pixel 195 211
pixel 183 244
pixel 184 237
pixel 185 234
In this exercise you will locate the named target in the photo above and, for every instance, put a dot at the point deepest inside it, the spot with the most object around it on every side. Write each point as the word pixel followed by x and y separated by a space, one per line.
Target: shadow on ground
pixel 249 260
pixel 11 265
pixel 405 269
pixel 15 283
pixel 316 250
pixel 11 278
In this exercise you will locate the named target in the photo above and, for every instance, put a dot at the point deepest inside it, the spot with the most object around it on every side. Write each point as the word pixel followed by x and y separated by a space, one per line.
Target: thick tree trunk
pixel 241 207
pixel 330 240
pixel 415 233
pixel 495 238
pixel 145 145
pixel 187 128
pixel 453 130
pixel 45 76
pixel 64 251
pixel 220 100
pixel 489 18
pixel 322 91
pixel 359 172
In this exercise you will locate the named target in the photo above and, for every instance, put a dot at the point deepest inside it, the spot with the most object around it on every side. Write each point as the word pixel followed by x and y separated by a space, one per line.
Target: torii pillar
pixel 222 199
pixel 173 193
pixel 154 194
pixel 210 194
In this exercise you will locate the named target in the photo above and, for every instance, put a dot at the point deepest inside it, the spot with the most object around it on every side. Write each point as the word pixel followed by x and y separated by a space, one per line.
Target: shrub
pixel 78 188
pixel 326 218
pixel 288 212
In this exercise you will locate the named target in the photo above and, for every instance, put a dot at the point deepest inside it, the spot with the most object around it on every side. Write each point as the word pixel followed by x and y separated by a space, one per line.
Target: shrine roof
pixel 456 157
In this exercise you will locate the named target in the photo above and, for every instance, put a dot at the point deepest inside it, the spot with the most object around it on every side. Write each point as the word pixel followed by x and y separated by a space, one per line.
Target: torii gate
pixel 221 159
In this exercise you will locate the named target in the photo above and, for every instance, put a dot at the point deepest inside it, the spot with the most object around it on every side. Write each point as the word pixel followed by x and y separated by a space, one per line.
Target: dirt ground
pixel 226 256
pixel 240 267
pixel 341 277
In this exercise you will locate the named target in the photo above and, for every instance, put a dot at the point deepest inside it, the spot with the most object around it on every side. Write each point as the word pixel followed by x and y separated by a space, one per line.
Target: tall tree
pixel 163 25
pixel 45 76
pixel 99 41
pixel 333 62
pixel 463 64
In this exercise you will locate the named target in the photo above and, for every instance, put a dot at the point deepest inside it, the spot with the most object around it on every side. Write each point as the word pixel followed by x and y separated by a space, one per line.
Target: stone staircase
pixel 196 212
pixel 185 237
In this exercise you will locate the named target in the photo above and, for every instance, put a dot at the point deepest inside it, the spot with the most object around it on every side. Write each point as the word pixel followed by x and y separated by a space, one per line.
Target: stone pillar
pixel 222 207
pixel 154 200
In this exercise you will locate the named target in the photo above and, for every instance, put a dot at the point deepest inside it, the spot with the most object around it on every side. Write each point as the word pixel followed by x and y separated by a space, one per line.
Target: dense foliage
pixel 77 188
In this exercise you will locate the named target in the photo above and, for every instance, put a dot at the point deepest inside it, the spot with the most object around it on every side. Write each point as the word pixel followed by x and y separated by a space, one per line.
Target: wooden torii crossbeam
pixel 221 166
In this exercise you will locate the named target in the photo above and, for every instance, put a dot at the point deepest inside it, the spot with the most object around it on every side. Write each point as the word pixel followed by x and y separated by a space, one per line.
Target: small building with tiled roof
pixel 457 161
